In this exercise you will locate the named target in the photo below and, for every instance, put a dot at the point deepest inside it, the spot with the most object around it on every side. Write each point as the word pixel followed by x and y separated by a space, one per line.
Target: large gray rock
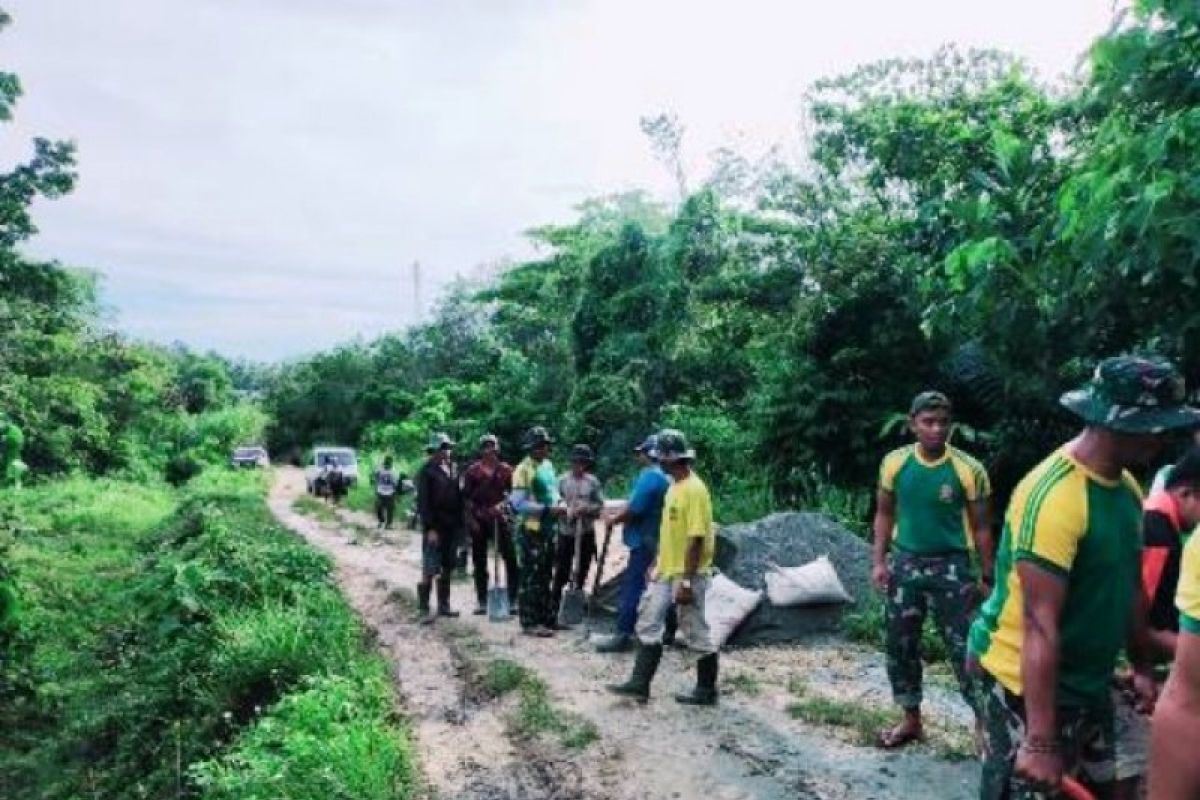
pixel 745 553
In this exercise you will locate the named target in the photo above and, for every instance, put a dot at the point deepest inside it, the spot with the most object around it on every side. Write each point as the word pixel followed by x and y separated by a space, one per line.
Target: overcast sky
pixel 258 176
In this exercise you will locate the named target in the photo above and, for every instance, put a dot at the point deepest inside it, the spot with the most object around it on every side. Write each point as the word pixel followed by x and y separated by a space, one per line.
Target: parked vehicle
pixel 251 457
pixel 324 456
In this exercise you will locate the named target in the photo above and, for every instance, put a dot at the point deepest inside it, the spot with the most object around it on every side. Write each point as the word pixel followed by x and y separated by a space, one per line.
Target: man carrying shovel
pixel 584 499
pixel 641 519
pixel 486 485
pixel 687 541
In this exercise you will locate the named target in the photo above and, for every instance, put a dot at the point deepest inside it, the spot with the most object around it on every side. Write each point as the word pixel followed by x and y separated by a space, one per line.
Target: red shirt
pixel 484 489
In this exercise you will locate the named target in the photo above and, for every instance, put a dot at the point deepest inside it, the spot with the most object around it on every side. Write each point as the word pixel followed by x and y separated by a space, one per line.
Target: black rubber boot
pixel 423 592
pixel 617 643
pixel 644 667
pixel 705 693
pixel 443 597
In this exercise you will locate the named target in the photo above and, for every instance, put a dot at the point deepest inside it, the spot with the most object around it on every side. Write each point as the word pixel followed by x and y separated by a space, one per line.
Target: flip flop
pixel 889 739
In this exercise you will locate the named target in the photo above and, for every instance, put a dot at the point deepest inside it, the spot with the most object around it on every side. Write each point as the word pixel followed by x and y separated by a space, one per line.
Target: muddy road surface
pixel 473 744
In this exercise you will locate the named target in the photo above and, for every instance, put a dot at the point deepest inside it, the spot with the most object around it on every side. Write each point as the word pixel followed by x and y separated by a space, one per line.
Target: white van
pixel 344 457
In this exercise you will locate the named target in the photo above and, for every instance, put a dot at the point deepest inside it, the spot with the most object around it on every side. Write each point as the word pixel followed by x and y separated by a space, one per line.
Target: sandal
pixel 899 736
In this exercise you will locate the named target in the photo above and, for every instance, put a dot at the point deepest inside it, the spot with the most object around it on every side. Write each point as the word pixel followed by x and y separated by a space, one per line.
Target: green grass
pixel 316 508
pixel 743 683
pixel 861 722
pixel 182 644
pixel 536 714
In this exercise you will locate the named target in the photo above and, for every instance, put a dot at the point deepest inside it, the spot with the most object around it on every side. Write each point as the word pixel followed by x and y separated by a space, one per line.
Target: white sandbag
pixel 811 584
pixel 725 606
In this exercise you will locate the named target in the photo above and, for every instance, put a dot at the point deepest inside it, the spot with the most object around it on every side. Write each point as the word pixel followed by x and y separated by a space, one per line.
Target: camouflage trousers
pixel 535 602
pixel 945 585
pixel 1085 739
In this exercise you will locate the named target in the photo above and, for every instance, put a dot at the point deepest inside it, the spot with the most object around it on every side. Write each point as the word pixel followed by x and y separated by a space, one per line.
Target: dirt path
pixel 749 747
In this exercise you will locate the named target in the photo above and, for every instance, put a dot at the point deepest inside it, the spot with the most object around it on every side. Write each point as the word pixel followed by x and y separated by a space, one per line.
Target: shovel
pixel 608 531
pixel 498 609
pixel 570 610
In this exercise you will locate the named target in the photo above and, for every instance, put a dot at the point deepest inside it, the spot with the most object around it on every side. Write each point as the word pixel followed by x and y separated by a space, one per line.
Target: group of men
pixel 1085 569
pixel 543 526
pixel 1035 625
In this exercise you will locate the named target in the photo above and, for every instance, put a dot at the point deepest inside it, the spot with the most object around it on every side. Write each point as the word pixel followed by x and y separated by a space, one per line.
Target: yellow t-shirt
pixel 1187 596
pixel 687 515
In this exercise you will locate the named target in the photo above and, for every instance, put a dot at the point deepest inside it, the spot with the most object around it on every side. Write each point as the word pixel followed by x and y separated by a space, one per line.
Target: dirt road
pixel 747 748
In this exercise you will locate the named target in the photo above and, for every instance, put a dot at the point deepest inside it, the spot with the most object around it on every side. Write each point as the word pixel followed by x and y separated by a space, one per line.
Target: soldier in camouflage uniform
pixel 932 507
pixel 1067 599
pixel 535 499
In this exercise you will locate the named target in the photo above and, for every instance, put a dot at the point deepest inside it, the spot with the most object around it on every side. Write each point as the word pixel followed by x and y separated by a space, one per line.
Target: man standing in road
pixel 535 499
pixel 440 507
pixel 687 541
pixel 931 507
pixel 641 519
pixel 583 497
pixel 486 485
pixel 386 483
pixel 1067 600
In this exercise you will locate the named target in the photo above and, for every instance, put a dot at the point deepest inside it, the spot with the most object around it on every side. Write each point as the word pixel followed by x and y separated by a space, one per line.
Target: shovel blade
pixel 570 611
pixel 497 605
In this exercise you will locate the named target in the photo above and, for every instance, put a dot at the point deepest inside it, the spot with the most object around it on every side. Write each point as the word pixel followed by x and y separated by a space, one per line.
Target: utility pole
pixel 418 307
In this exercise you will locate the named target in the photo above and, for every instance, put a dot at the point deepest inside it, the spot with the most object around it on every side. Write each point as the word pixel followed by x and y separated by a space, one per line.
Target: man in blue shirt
pixel 641 518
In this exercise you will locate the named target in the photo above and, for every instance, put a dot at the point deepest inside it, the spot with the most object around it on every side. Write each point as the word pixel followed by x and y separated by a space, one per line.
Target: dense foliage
pixel 957 223
pixel 185 646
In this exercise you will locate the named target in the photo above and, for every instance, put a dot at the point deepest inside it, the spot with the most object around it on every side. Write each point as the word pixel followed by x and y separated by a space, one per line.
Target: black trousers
pixel 564 563
pixel 483 536
pixel 385 509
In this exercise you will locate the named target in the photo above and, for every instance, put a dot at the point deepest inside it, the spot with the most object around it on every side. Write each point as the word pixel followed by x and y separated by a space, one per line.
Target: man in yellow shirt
pixel 687 540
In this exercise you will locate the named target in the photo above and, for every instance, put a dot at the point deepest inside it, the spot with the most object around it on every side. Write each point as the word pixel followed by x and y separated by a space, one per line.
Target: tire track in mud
pixel 747 749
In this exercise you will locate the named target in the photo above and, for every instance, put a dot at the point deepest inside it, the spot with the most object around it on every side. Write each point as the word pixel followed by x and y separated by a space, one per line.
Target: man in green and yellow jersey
pixel 687 540
pixel 535 499
pixel 1174 768
pixel 1066 601
pixel 931 510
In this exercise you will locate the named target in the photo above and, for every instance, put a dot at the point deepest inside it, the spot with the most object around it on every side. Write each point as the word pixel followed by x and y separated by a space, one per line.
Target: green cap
pixel 928 400
pixel 673 446
pixel 1129 394
pixel 439 441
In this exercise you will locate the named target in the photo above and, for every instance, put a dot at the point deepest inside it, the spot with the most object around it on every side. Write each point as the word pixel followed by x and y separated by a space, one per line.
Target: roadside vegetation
pixel 183 644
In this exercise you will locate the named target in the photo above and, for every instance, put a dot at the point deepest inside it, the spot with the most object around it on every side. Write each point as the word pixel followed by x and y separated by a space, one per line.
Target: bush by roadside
pixel 182 644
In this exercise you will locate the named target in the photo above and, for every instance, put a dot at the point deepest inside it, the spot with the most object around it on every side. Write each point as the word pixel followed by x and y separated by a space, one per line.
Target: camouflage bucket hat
pixel 535 436
pixel 439 441
pixel 1134 395
pixel 673 446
